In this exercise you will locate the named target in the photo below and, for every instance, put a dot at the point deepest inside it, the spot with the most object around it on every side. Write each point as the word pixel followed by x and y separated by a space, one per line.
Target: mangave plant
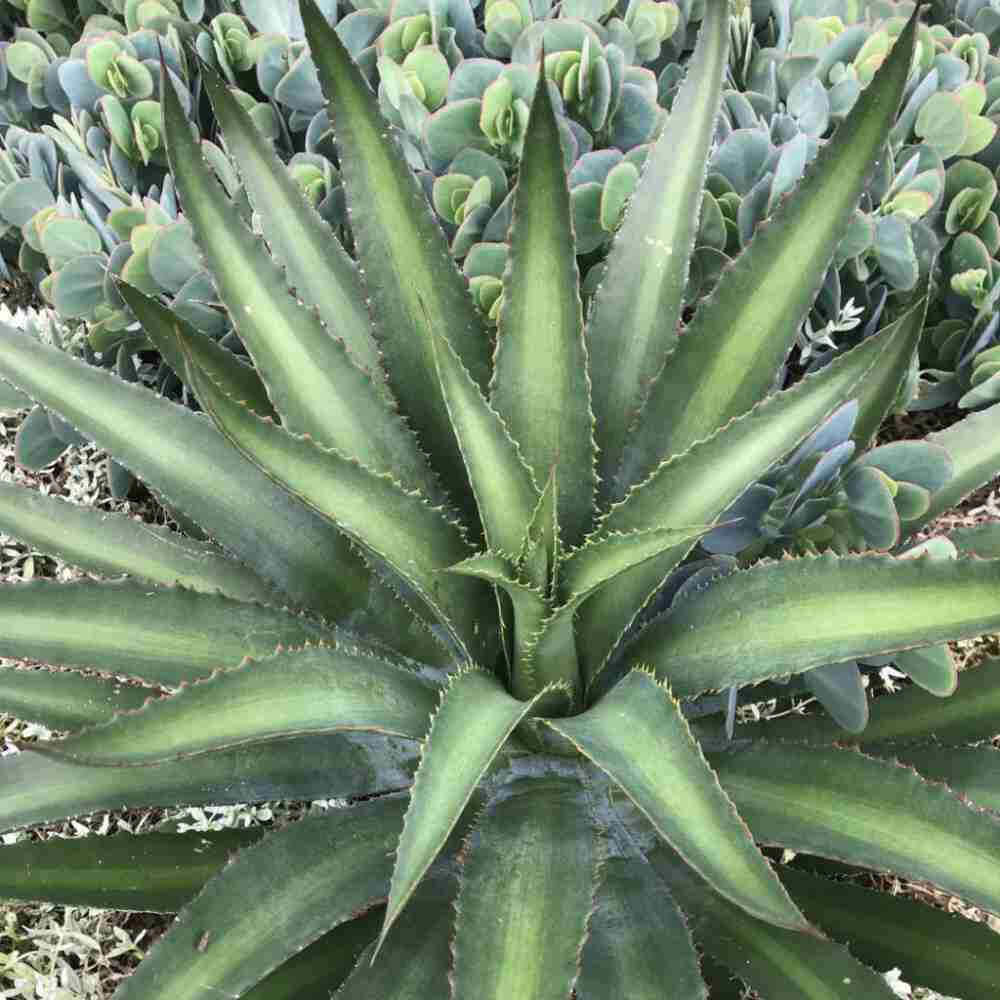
pixel 445 584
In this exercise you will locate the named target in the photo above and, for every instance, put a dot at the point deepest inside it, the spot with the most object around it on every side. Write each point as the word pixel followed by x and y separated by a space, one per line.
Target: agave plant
pixel 433 589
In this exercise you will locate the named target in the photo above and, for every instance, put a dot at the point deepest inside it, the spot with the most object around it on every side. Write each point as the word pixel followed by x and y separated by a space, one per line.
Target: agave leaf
pixel 473 722
pixel 971 772
pixel 637 307
pixel 529 612
pixel 110 544
pixel 160 325
pixel 696 487
pixel 843 805
pixel 60 699
pixel 528 879
pixel 176 453
pixel 780 964
pixel 315 263
pixel 540 550
pixel 773 619
pixel 413 538
pixel 911 716
pixel 599 561
pixel 404 257
pixel 659 766
pixel 316 874
pixel 880 392
pixel 39 789
pixel 551 651
pixel 319 689
pixel 323 966
pixel 152 873
pixel 161 636
pixel 505 493
pixel 727 358
pixel 974 446
pixel 413 963
pixel 540 383
pixel 312 382
pixel 936 948
pixel 638 939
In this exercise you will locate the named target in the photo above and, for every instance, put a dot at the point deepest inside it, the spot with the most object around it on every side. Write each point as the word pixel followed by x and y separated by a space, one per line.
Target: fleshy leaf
pixel 315 874
pixel 659 766
pixel 728 356
pixel 151 873
pixel 161 636
pixel 843 805
pixel 313 690
pixel 540 383
pixel 636 310
pixel 774 618
pixel 110 544
pixel 404 257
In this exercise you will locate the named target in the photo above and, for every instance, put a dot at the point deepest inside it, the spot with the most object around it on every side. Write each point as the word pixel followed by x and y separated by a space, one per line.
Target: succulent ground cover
pixel 510 592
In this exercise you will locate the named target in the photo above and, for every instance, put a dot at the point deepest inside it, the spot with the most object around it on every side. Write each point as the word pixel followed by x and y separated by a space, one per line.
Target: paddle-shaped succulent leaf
pixel 486 587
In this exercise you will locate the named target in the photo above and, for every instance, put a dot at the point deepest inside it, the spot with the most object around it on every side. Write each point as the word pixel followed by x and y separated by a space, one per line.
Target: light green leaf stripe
pixel 152 873
pixel 936 948
pixel 972 713
pixel 312 382
pixel 37 789
pixel 780 964
pixel 502 483
pixel 471 725
pixel 774 619
pixel 727 359
pixel 659 766
pixel 415 539
pixel 316 265
pixel 403 254
pixel 636 311
pixel 160 636
pixel 540 383
pixel 974 446
pixel 696 487
pixel 61 699
pixel 639 940
pixel 843 805
pixel 109 544
pixel 527 890
pixel 160 325
pixel 175 452
pixel 314 690
pixel 315 874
